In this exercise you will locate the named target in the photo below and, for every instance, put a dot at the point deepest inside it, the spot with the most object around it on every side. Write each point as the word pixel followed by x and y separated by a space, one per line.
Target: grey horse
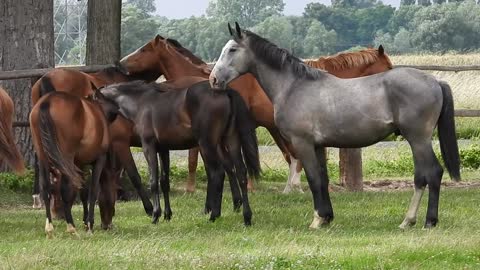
pixel 314 110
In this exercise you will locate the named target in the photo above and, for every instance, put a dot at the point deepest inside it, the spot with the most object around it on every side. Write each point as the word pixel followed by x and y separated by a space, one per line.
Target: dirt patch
pixel 392 185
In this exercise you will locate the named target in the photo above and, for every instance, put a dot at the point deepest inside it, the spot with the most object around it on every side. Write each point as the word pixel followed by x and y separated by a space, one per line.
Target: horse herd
pixel 81 119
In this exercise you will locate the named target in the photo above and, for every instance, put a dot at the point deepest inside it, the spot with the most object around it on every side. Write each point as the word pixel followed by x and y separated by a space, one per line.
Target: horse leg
pixel 192 169
pixel 84 199
pixel 150 152
pixel 216 176
pixel 123 153
pixel 293 181
pixel 44 184
pixel 37 201
pixel 165 182
pixel 68 196
pixel 93 190
pixel 315 164
pixel 229 166
pixel 241 177
pixel 427 171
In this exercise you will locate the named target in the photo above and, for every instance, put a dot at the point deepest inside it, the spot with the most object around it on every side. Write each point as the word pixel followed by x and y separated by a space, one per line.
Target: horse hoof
pixel 207 210
pixel 407 224
pixel 37 202
pixel 168 215
pixel 107 227
pixel 236 207
pixel 287 190
pixel 190 188
pixel 317 220
pixel 149 211
pixel 430 225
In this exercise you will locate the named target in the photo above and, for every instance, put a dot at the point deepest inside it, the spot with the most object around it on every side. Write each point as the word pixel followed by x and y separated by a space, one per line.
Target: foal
pixel 167 119
pixel 69 131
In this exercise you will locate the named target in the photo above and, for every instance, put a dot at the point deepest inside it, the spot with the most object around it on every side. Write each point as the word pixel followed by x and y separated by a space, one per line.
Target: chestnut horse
pixel 69 131
pixel 8 150
pixel 158 56
pixel 82 84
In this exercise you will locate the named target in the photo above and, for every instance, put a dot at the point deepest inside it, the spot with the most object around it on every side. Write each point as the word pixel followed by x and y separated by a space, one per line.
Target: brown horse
pixel 82 84
pixel 69 131
pixel 158 56
pixel 8 150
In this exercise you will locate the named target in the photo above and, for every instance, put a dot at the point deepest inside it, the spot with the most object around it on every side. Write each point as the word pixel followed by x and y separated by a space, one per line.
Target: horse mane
pixel 138 87
pixel 277 58
pixel 111 71
pixel 347 60
pixel 185 52
pixel 8 149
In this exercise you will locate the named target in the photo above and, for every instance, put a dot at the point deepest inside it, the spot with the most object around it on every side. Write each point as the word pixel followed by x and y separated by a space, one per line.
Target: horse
pixel 160 57
pixel 8 150
pixel 83 84
pixel 314 110
pixel 69 131
pixel 171 119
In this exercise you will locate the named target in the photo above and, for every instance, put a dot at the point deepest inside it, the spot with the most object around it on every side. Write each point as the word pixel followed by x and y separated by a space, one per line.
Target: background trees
pixel 415 27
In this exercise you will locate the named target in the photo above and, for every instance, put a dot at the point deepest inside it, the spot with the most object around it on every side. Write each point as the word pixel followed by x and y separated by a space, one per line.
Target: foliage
pixel 17 183
pixel 246 12
pixel 471 156
pixel 137 28
pixel 277 29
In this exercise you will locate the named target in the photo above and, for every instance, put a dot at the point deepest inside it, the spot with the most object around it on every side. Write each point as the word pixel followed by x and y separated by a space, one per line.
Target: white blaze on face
pixel 222 59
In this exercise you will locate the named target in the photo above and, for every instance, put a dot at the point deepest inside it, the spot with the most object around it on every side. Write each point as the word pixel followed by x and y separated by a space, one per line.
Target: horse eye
pixel 233 50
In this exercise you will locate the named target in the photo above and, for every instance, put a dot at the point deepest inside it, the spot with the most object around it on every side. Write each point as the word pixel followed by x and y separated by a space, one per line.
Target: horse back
pixel 65 80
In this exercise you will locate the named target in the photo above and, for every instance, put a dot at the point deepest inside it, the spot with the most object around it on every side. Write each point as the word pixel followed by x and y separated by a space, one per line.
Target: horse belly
pixel 175 138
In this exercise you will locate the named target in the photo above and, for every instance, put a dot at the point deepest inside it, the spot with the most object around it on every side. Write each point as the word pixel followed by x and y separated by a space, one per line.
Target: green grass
pixel 364 235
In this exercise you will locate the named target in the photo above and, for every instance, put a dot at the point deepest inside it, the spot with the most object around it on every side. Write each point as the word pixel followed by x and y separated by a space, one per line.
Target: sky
pixel 178 9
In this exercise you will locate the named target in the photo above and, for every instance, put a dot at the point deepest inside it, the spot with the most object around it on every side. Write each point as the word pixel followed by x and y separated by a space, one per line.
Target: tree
pixel 28 44
pixel 424 3
pixel 371 20
pixel 407 2
pixel 103 32
pixel 319 41
pixel 137 28
pixel 146 6
pixel 277 29
pixel 246 12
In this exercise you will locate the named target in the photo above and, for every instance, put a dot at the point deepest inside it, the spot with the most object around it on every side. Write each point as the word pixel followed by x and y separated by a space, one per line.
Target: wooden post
pixel 351 175
pixel 26 28
pixel 103 31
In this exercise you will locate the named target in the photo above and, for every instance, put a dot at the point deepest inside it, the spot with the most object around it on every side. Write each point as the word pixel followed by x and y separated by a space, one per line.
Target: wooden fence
pixel 31 73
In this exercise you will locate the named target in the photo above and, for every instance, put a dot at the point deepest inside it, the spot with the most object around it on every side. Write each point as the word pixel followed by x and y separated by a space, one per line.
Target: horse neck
pixel 128 105
pixel 176 66
pixel 274 83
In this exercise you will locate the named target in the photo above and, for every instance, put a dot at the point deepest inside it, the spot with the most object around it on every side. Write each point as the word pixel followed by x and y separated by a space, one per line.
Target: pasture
pixel 364 235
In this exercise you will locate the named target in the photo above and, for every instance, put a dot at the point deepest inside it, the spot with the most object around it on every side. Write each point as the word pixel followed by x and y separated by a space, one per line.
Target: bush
pixel 23 184
pixel 470 157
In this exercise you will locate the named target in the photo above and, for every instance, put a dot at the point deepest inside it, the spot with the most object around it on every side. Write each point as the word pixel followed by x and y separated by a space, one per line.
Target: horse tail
pixel 49 139
pixel 8 149
pixel 46 86
pixel 447 135
pixel 245 126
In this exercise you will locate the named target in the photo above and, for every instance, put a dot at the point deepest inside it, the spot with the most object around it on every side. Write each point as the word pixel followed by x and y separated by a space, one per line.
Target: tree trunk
pixel 103 31
pixel 27 41
pixel 351 175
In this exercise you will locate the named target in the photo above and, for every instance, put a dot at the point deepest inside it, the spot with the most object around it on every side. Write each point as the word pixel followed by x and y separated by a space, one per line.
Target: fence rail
pixel 29 73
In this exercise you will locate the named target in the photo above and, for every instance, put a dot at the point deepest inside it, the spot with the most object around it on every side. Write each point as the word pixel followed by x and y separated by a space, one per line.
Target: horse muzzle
pixel 217 84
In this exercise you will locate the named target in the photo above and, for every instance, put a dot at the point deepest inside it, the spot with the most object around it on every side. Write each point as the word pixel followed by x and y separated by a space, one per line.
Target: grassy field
pixel 364 235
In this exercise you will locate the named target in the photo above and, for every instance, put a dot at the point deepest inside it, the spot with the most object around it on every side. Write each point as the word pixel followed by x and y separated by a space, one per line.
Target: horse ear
pixel 380 50
pixel 239 31
pixel 157 39
pixel 230 29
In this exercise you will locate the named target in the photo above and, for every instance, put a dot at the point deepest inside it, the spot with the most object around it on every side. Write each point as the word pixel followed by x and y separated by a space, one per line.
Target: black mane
pixel 278 58
pixel 138 87
pixel 111 71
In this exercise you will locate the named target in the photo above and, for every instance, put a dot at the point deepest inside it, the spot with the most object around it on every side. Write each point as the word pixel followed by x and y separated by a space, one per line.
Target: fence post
pixel 351 175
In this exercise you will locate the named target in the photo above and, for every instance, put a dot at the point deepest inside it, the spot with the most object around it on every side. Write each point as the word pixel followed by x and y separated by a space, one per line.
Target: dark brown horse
pixel 69 132
pixel 159 56
pixel 171 119
pixel 8 150
pixel 82 84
